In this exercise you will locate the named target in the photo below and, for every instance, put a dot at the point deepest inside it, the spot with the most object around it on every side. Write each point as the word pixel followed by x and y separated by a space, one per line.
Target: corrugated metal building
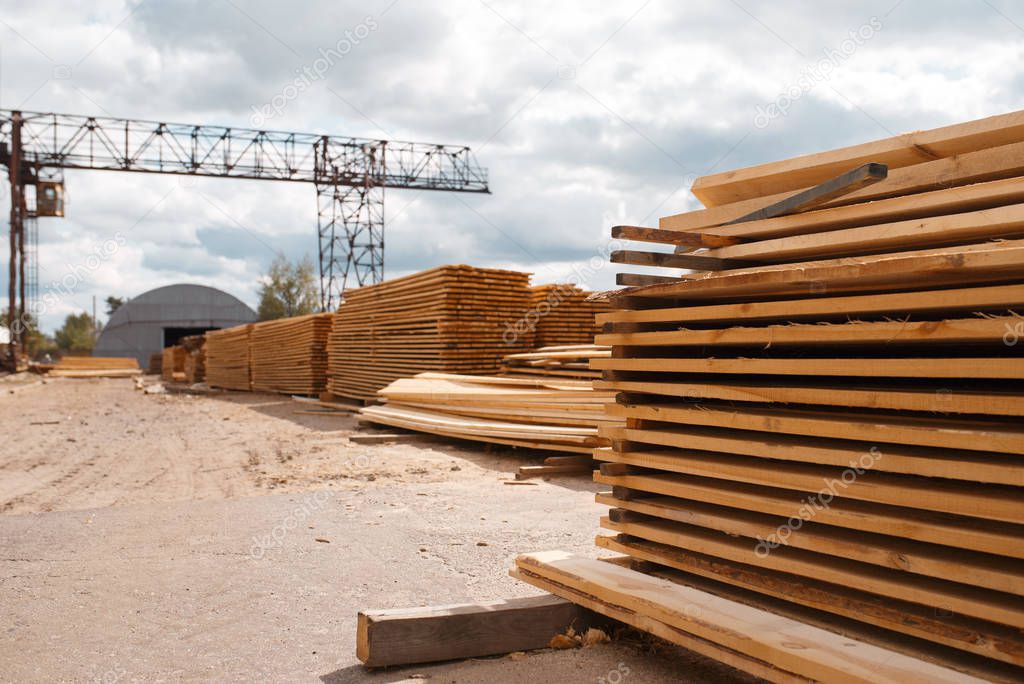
pixel 146 324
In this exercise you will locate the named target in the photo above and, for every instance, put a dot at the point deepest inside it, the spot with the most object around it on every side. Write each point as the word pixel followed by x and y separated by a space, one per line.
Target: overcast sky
pixel 585 117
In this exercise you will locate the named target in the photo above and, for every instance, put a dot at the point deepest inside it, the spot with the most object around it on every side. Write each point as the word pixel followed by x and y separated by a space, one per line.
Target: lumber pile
pixel 289 355
pixel 172 367
pixel 155 366
pixel 537 413
pixel 561 314
pixel 95 367
pixel 823 418
pixel 565 361
pixel 450 319
pixel 227 358
pixel 195 358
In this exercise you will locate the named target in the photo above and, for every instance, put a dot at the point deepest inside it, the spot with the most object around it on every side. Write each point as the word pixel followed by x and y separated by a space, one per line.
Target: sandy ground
pixel 195 538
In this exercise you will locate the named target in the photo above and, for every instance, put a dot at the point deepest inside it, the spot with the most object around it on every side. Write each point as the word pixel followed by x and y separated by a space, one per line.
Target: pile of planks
pixel 450 319
pixel 561 314
pixel 538 413
pixel 195 358
pixel 95 367
pixel 172 367
pixel 565 361
pixel 155 366
pixel 823 427
pixel 227 358
pixel 289 355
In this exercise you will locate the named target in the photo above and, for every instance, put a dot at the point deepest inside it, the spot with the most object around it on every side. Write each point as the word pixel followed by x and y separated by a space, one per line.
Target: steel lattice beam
pixel 350 175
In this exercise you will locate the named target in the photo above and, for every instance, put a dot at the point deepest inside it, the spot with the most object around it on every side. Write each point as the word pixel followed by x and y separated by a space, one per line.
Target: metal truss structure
pixel 349 174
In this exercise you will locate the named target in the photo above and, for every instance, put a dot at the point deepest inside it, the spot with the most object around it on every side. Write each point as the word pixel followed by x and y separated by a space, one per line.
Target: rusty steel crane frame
pixel 349 175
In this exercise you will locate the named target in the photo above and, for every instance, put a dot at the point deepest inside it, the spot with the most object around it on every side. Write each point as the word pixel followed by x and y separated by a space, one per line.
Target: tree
pixel 36 343
pixel 78 334
pixel 288 289
pixel 113 304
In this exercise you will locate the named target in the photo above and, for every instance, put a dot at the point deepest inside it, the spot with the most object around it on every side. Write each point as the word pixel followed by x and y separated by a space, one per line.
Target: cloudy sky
pixel 585 117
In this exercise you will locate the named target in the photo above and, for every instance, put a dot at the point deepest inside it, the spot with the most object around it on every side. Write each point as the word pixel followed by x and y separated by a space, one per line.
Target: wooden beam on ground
pixel 405 636
pixel 793 647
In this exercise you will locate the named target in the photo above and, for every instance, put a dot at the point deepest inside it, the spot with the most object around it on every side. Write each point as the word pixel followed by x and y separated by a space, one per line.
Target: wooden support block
pixel 406 636
pixel 526 472
pixel 640 279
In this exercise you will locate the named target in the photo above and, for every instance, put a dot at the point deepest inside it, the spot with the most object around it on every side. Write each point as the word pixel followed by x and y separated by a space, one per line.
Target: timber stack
pixel 95 367
pixel 571 360
pixel 195 358
pixel 172 367
pixel 450 319
pixel 538 413
pixel 227 358
pixel 821 471
pixel 563 315
pixel 289 355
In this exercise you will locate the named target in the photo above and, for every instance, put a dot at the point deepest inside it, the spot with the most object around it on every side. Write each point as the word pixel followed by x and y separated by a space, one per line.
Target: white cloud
pixel 586 115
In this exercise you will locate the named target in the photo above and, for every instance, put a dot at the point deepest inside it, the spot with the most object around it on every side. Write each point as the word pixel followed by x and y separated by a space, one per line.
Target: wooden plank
pixel 824 308
pixel 984 263
pixel 794 390
pixel 788 644
pixel 966 600
pixel 985 501
pixel 1006 368
pixel 944 432
pixel 679 238
pixel 987 330
pixel 759 533
pixel 985 639
pixel 985 536
pixel 697 262
pixel 640 279
pixel 805 200
pixel 526 472
pixel 960 465
pixel 1006 161
pixel 404 636
pixel 704 647
pixel 896 152
pixel 996 222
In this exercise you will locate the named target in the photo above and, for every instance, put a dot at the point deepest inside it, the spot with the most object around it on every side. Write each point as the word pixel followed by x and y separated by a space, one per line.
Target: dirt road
pixel 175 538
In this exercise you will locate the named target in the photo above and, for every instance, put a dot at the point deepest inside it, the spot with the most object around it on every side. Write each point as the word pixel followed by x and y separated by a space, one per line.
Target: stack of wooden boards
pixel 561 314
pixel 172 367
pixel 450 319
pixel 195 358
pixel 824 429
pixel 289 355
pixel 565 361
pixel 155 366
pixel 537 413
pixel 95 367
pixel 227 358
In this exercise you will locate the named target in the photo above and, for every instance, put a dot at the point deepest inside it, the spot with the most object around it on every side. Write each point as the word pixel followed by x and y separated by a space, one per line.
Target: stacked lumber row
pixel 451 319
pixel 837 436
pixel 172 367
pixel 566 361
pixel 537 413
pixel 289 355
pixel 155 366
pixel 95 367
pixel 562 314
pixel 195 358
pixel 227 358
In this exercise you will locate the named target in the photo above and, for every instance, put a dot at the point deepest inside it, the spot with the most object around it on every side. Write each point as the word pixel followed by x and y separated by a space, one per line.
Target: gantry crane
pixel 349 175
